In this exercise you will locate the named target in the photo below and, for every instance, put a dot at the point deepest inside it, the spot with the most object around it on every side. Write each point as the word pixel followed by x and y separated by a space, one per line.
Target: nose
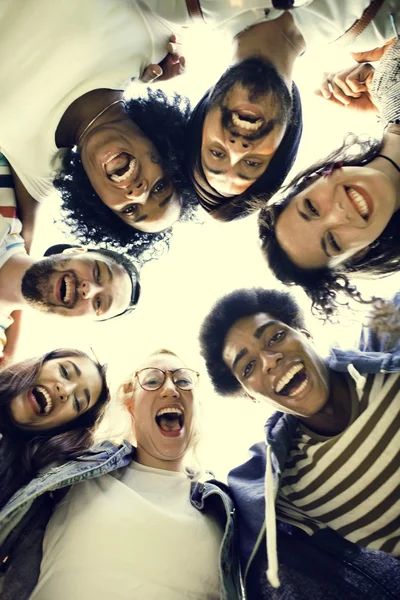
pixel 88 289
pixel 238 145
pixel 64 390
pixel 269 360
pixel 339 213
pixel 169 389
pixel 138 192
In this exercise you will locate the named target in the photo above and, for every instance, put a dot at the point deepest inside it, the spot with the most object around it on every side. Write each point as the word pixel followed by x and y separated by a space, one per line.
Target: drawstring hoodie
pixel 270 514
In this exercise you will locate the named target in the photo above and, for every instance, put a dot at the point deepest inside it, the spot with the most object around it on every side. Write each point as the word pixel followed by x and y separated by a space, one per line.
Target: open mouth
pixel 66 290
pixel 42 399
pixel 121 167
pixel 293 382
pixel 170 420
pixel 359 202
pixel 246 121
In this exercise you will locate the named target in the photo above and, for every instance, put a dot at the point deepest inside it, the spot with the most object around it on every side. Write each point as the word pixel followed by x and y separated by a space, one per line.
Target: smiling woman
pixel 49 410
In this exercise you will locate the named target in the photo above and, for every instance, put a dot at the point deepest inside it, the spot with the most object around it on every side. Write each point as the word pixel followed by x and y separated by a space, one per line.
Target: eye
pixel 333 242
pixel 64 372
pixel 159 187
pixel 155 159
pixel 277 337
pixel 217 154
pixel 311 208
pixel 249 368
pixel 252 163
pixel 77 405
pixel 98 304
pixel 131 209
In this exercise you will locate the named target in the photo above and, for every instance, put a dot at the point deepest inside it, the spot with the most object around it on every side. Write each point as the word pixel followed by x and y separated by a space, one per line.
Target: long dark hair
pixel 324 286
pixel 23 453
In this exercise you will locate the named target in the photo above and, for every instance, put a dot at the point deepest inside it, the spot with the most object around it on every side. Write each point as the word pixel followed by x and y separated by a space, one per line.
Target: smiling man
pixel 331 462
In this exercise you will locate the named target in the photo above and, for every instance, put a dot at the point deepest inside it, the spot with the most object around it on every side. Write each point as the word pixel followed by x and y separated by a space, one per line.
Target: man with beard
pixel 245 132
pixel 318 500
pixel 71 282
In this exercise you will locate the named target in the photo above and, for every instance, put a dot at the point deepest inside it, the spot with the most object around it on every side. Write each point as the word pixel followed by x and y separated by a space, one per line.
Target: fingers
pixel 346 85
pixel 151 73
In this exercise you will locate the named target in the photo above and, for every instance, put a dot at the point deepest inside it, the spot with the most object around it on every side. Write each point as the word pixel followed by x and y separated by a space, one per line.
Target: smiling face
pixel 164 419
pixel 277 364
pixel 64 390
pixel 336 217
pixel 244 126
pixel 78 284
pixel 125 171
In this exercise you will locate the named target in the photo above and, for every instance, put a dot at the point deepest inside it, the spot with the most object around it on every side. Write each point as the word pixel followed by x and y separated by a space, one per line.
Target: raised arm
pixel 27 208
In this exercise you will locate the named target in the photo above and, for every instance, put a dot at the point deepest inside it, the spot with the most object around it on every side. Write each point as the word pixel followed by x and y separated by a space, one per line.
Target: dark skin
pixel 335 415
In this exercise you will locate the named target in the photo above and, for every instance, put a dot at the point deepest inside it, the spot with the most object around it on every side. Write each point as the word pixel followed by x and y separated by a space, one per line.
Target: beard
pixel 264 86
pixel 36 283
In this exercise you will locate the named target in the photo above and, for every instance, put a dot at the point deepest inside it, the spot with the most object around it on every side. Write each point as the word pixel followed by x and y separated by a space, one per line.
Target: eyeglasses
pixel 151 379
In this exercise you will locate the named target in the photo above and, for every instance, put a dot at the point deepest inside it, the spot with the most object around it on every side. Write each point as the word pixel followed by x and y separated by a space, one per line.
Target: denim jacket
pixel 24 518
pixel 323 565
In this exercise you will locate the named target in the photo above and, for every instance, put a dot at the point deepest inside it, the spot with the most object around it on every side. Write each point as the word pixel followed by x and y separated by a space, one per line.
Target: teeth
pixel 68 289
pixel 112 157
pixel 284 380
pixel 127 174
pixel 300 389
pixel 358 201
pixel 166 410
pixel 243 124
pixel 47 397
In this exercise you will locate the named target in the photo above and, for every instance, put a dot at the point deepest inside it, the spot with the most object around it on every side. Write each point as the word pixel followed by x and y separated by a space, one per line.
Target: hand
pixel 350 87
pixel 172 65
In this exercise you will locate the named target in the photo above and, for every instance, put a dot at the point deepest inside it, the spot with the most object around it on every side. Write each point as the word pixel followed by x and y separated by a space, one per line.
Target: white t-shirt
pixel 53 53
pixel 131 535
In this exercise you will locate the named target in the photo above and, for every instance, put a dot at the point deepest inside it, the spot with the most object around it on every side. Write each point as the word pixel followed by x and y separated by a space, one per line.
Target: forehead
pixel 163 361
pixel 243 334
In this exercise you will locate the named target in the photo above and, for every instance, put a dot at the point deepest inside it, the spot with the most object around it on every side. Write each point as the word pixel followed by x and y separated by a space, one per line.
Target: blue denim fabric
pixel 30 508
pixel 325 565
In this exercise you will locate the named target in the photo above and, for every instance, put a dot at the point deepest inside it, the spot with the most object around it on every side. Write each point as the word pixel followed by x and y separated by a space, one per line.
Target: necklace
pixel 95 119
pixel 391 161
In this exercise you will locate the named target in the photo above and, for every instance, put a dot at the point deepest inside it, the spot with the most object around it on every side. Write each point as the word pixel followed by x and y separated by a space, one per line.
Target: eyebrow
pixel 216 172
pixel 79 373
pixel 139 219
pixel 325 249
pixel 257 334
pixel 303 215
pixel 166 200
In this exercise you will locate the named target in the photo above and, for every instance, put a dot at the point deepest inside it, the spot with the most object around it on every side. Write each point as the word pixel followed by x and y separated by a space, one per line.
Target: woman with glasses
pixel 139 524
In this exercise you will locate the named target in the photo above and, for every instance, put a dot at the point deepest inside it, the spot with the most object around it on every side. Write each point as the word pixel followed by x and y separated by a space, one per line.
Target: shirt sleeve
pixel 11 241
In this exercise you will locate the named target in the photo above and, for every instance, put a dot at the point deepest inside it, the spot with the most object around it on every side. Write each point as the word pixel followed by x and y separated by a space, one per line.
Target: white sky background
pixel 205 262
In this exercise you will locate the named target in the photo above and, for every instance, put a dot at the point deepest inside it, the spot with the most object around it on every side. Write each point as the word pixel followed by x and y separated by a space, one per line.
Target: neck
pixel 146 459
pixel 334 417
pixel 11 276
pixel 391 149
pixel 79 114
pixel 278 41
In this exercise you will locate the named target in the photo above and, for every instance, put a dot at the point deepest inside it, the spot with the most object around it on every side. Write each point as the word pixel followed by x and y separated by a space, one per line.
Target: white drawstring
pixel 270 522
pixel 358 378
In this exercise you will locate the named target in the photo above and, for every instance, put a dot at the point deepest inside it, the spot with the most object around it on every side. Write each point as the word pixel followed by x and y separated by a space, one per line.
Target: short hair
pixel 242 205
pixel 325 285
pixel 229 309
pixel 163 121
pixel 118 258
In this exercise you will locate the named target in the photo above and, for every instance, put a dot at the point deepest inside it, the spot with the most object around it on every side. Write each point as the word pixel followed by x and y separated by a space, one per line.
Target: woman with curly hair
pixel 122 157
pixel 341 216
pixel 49 410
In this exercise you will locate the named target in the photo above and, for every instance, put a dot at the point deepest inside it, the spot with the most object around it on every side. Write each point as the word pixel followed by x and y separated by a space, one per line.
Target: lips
pixel 293 382
pixel 361 201
pixel 170 420
pixel 121 168
pixel 66 289
pixel 41 400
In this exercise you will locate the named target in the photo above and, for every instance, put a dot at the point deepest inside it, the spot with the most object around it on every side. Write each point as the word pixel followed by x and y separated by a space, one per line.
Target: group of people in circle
pixel 314 511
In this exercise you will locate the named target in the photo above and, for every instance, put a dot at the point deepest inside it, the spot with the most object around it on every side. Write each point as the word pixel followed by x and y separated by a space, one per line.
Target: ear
pixel 126 395
pixel 74 249
pixel 307 334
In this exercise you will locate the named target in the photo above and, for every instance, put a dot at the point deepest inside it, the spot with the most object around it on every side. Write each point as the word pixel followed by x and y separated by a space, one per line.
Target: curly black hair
pixel 326 285
pixel 163 120
pixel 229 309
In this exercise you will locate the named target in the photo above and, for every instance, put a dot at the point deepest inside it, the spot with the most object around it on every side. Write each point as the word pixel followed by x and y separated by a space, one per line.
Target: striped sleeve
pixel 11 241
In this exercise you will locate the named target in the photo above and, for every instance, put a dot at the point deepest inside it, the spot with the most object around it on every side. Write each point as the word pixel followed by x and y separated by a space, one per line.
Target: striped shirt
pixel 11 241
pixel 350 482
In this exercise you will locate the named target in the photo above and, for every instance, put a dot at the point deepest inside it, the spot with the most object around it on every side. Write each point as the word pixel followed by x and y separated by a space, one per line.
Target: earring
pixel 327 172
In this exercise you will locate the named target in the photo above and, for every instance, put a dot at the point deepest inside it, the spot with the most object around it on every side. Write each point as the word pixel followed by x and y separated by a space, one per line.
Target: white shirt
pixel 53 53
pixel 133 535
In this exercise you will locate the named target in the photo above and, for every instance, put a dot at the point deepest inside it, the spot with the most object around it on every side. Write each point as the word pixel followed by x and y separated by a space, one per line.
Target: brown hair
pixel 23 453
